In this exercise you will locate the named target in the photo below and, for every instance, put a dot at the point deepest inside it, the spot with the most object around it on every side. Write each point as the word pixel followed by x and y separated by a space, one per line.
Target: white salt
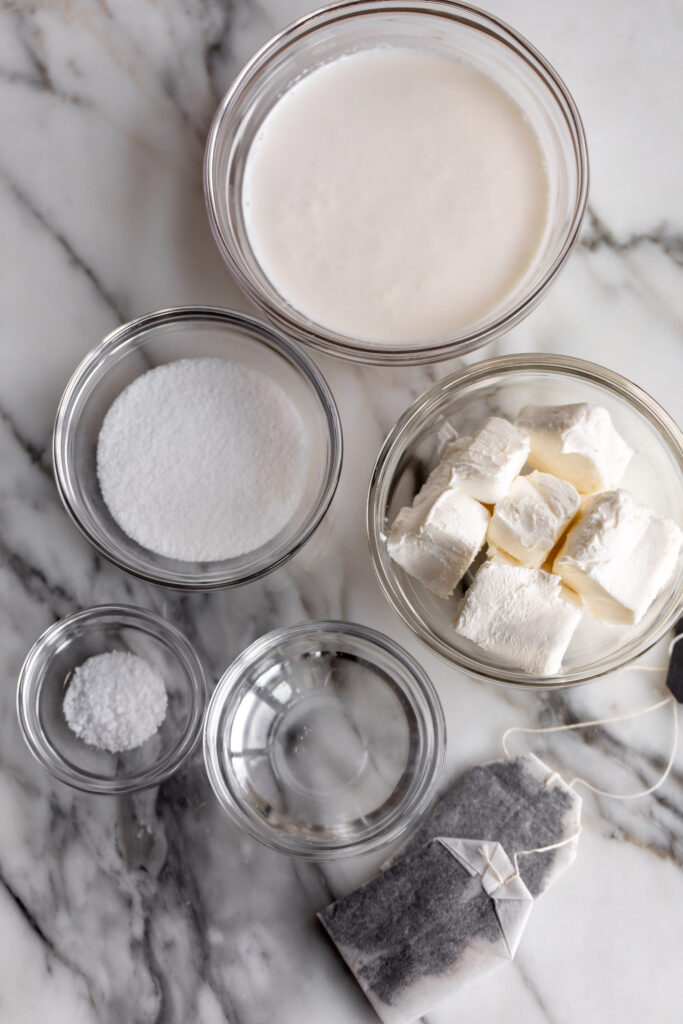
pixel 115 701
pixel 202 459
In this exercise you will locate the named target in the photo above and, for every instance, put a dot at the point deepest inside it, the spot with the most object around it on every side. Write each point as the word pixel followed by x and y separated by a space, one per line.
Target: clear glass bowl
pixel 324 740
pixel 162 338
pixel 44 679
pixel 449 29
pixel 457 406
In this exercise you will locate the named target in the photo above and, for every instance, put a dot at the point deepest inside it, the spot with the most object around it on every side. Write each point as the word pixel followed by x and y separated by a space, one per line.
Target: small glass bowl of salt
pixel 91 726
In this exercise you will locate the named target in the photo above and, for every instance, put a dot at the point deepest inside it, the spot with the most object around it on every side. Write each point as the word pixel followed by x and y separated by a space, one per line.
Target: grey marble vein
pixel 596 234
pixel 157 908
pixel 74 258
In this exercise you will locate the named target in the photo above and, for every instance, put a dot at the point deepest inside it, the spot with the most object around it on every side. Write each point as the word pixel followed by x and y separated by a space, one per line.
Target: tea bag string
pixel 523 853
pixel 595 789
pixel 671 700
pixel 605 721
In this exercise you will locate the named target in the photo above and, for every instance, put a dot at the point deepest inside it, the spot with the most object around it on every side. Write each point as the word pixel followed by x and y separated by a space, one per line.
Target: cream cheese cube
pixel 618 556
pixel 529 521
pixel 524 616
pixel 438 480
pixel 494 554
pixel 576 442
pixel 436 539
pixel 486 466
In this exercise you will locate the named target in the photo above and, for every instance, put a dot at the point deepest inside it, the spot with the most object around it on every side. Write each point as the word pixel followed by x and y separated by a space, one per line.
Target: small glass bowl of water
pixel 324 740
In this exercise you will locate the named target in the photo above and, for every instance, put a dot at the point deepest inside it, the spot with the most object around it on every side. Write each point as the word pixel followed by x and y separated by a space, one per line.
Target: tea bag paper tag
pixel 511 898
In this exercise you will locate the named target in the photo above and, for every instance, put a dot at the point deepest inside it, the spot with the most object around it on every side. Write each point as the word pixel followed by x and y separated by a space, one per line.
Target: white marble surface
pixel 157 908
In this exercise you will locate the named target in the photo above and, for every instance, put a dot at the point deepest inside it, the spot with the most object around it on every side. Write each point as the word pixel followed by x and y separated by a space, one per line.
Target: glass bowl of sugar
pixel 324 740
pixel 445 418
pixel 197 448
pixel 396 182
pixel 111 699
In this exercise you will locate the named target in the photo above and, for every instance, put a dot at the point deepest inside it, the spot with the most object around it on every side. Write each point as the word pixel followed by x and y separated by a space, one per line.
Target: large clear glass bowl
pixel 450 29
pixel 44 680
pixel 324 740
pixel 457 406
pixel 164 337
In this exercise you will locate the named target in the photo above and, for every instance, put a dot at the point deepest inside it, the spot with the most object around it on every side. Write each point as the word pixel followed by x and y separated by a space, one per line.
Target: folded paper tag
pixel 447 913
pixel 511 899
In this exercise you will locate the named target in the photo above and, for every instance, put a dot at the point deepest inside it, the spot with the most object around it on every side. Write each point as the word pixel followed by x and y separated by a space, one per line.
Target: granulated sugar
pixel 115 701
pixel 202 459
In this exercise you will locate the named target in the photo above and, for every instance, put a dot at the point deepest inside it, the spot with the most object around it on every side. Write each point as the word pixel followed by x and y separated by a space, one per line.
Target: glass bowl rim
pixel 227 690
pixel 424 406
pixel 332 342
pixel 131 335
pixel 31 678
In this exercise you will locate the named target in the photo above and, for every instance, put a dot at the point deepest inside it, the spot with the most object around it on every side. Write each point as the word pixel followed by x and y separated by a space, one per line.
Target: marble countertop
pixel 156 908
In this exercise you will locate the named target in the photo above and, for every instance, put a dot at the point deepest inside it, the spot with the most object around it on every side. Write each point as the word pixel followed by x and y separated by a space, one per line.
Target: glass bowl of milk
pixel 396 182
pixel 456 407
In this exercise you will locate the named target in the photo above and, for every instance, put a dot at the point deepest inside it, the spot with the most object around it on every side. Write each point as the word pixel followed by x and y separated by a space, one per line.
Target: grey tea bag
pixel 439 915
pixel 521 804
pixel 449 912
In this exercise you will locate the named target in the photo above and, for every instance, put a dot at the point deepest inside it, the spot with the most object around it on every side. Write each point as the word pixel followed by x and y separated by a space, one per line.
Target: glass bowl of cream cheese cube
pixel 396 182
pixel 95 764
pixel 197 448
pixel 324 740
pixel 524 519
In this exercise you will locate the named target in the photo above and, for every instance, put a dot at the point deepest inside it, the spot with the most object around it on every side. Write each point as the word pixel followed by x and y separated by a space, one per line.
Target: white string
pixel 524 853
pixel 579 725
pixel 575 782
pixel 663 777
pixel 606 721
pixel 601 792
pixel 545 849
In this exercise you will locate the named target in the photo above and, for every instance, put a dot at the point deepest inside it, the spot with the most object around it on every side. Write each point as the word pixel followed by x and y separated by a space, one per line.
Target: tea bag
pixel 520 803
pixel 446 913
pixel 451 906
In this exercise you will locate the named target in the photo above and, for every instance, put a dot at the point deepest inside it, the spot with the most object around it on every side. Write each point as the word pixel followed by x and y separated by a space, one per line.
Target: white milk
pixel 394 195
